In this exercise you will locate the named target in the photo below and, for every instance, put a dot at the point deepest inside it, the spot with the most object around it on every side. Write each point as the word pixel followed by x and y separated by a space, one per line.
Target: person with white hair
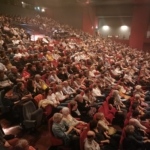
pixel 61 130
pixel 71 121
pixel 117 102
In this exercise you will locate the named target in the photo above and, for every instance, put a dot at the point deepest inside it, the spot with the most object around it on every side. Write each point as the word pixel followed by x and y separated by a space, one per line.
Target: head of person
pixel 59 87
pixel 65 83
pixel 22 144
pixel 65 111
pixel 99 116
pixel 90 135
pixel 37 77
pixel 93 124
pixel 73 105
pixel 14 69
pixel 57 117
pixel 20 86
pixel 138 88
pixel 135 114
pixel 115 93
pixel 79 98
pixel 129 129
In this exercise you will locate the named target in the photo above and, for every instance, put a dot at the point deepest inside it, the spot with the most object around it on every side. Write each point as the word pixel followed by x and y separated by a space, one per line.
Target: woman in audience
pixel 116 101
pixel 71 121
pixel 61 130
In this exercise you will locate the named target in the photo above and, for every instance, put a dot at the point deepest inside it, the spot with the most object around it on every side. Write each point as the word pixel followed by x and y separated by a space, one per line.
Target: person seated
pixel 67 90
pixel 144 112
pixel 39 83
pixel 132 141
pixel 116 101
pixel 74 111
pixel 84 107
pixel 53 77
pixel 89 98
pixel 15 76
pixel 31 87
pixel 23 144
pixel 138 90
pixel 52 97
pixel 60 95
pixel 5 83
pixel 90 143
pixel 71 121
pixel 106 141
pixel 135 120
pixel 22 92
pixel 61 130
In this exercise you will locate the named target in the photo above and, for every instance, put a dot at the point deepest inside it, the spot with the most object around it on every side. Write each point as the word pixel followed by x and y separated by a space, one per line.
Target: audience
pixel 77 70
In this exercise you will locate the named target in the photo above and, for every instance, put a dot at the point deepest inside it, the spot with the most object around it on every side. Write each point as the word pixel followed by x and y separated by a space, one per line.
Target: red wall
pixel 139 25
pixel 89 19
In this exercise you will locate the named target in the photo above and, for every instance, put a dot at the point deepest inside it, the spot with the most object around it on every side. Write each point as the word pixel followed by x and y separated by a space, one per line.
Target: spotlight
pixel 124 28
pixel 105 28
pixel 38 8
pixel 22 3
pixel 42 10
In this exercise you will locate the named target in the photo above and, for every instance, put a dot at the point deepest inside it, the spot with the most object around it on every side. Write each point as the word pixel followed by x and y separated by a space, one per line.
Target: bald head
pixel 90 134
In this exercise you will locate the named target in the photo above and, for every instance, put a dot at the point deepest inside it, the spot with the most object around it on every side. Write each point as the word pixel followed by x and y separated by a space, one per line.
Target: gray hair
pixel 57 117
pixel 65 110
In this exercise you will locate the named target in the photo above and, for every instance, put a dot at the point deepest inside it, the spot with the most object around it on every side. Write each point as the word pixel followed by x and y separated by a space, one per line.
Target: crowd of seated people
pixel 80 72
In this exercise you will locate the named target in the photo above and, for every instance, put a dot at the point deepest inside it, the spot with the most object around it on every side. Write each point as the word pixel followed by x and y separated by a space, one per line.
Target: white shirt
pixel 2 67
pixel 52 98
pixel 96 91
pixel 91 145
pixel 60 96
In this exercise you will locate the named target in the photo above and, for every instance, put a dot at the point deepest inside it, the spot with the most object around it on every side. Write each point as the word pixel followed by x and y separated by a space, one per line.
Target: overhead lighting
pixel 42 10
pixel 124 28
pixel 87 2
pixel 38 8
pixel 96 27
pixel 105 28
pixel 22 2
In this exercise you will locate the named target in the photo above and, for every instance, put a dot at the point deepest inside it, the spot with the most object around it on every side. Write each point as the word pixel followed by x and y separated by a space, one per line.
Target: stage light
pixel 38 8
pixel 22 3
pixel 105 28
pixel 96 27
pixel 124 28
pixel 42 10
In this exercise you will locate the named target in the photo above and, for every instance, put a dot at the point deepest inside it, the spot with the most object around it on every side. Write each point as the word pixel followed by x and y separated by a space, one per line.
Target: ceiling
pixel 48 3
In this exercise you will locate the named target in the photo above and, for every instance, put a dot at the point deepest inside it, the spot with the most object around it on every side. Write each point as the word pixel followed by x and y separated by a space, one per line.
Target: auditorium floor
pixel 39 139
